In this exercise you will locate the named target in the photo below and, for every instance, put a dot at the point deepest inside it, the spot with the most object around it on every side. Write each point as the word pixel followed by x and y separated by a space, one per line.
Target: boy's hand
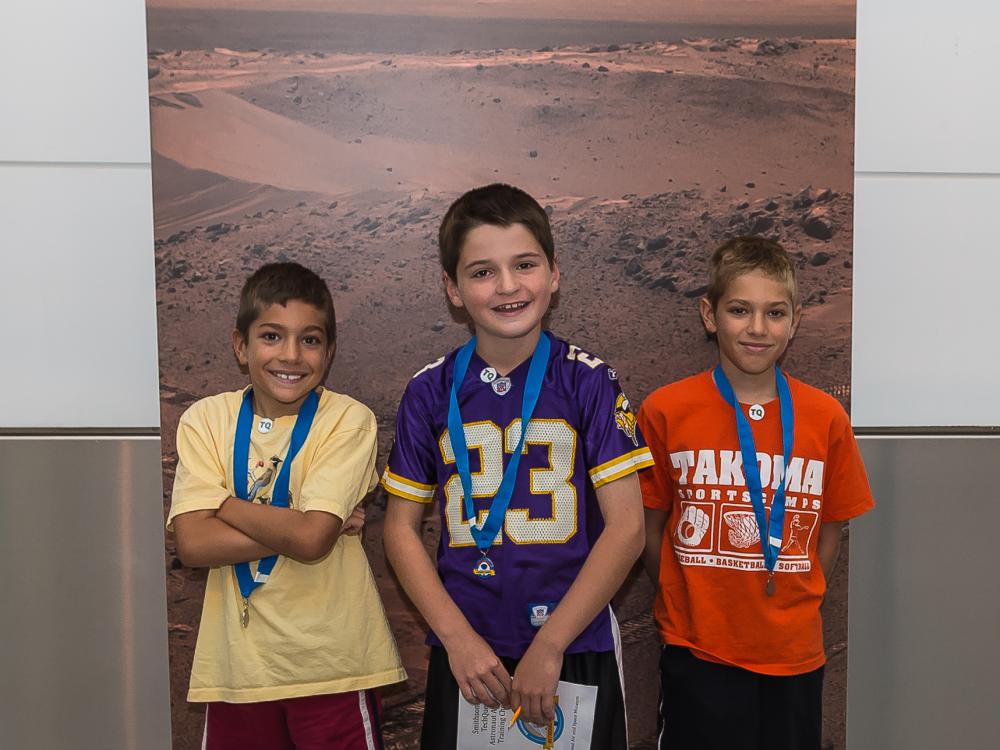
pixel 480 674
pixel 355 522
pixel 535 682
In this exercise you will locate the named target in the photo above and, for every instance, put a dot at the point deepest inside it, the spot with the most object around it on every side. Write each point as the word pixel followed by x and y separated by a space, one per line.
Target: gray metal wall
pixel 83 641
pixel 924 632
pixel 83 655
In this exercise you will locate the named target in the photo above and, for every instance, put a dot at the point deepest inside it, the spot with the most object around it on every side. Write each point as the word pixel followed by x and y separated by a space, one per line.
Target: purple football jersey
pixel 582 435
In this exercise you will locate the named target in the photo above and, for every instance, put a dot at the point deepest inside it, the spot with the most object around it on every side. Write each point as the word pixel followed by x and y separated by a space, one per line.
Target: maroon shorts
pixel 340 721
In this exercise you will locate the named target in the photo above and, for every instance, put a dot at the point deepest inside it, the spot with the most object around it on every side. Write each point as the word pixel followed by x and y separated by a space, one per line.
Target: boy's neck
pixel 268 409
pixel 751 388
pixel 504 355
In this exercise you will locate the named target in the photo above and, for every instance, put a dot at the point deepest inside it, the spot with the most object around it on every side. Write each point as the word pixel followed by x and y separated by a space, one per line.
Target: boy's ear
pixel 555 275
pixel 451 289
pixel 796 318
pixel 329 361
pixel 707 315
pixel 240 347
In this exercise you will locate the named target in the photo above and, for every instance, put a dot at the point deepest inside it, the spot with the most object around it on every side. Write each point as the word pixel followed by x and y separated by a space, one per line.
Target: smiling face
pixel 754 321
pixel 287 354
pixel 504 282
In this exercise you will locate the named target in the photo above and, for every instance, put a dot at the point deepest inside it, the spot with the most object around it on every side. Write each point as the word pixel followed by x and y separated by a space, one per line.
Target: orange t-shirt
pixel 711 596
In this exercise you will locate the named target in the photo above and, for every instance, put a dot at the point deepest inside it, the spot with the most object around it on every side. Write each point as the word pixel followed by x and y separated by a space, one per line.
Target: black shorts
pixel 709 706
pixel 440 729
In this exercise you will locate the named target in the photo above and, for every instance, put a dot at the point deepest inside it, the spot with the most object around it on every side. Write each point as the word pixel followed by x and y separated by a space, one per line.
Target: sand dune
pixel 184 198
pixel 229 136
pixel 232 137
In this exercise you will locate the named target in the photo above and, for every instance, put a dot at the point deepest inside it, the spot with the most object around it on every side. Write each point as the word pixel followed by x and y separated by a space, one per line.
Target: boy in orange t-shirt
pixel 740 578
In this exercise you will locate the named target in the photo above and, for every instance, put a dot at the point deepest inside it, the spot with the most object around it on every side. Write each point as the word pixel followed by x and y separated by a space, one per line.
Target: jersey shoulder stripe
pixel 621 466
pixel 395 484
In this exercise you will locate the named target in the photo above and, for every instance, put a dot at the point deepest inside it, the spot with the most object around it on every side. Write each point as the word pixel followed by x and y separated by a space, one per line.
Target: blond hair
pixel 742 255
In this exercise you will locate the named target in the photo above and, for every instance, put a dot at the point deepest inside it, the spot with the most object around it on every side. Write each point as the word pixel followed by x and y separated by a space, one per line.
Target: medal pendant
pixel 484 568
pixel 769 587
pixel 245 616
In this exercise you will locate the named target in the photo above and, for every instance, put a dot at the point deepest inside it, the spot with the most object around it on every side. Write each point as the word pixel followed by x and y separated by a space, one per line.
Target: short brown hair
pixel 276 284
pixel 497 205
pixel 742 255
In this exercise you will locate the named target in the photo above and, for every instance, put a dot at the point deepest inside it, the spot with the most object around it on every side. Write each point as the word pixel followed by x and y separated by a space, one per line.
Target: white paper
pixel 482 728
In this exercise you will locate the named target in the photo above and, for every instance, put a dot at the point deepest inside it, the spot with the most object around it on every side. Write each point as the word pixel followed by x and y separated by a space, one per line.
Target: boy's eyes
pixel 271 337
pixel 524 265
pixel 776 313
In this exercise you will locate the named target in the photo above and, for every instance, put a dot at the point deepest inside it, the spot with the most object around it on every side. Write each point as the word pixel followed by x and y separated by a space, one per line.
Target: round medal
pixel 484 568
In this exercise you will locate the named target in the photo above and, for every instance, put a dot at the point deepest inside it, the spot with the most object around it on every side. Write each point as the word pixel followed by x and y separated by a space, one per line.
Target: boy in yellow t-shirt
pixel 293 636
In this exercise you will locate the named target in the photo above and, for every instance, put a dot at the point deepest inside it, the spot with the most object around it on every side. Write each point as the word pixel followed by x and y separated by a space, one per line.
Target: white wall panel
pixel 928 86
pixel 77 297
pixel 74 81
pixel 925 280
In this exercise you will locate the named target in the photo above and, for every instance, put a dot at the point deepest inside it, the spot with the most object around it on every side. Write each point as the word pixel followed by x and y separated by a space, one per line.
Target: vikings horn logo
pixel 625 419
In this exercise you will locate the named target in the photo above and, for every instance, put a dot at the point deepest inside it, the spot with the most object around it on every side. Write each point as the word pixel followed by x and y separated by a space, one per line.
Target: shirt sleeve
pixel 656 483
pixel 847 493
pixel 200 482
pixel 613 445
pixel 411 470
pixel 341 470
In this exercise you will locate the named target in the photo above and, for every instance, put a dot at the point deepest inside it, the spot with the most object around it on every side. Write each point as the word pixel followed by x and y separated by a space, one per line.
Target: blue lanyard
pixel 770 540
pixel 485 534
pixel 279 496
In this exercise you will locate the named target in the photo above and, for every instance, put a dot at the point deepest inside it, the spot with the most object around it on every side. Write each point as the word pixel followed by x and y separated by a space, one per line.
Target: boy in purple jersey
pixel 526 591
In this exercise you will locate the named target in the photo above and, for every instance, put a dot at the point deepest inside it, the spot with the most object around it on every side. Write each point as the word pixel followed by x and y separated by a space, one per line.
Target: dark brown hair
pixel 742 255
pixel 497 205
pixel 276 284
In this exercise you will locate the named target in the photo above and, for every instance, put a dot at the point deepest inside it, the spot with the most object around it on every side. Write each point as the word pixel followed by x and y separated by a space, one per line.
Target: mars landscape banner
pixel 337 133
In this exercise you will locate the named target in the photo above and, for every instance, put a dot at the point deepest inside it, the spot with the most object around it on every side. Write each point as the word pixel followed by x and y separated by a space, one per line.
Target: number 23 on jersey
pixel 555 480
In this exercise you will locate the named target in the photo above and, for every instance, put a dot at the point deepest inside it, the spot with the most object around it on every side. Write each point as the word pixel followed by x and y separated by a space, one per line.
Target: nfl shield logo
pixel 538 614
pixel 501 386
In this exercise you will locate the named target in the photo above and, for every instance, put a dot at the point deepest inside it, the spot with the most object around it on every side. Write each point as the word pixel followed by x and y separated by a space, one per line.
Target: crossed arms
pixel 223 530
pixel 241 532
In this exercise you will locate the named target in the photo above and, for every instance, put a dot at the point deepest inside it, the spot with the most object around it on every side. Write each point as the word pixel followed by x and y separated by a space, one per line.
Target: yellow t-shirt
pixel 315 628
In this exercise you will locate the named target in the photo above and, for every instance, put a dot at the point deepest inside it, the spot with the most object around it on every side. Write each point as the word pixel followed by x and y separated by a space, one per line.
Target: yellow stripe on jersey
pixel 407 488
pixel 410 482
pixel 621 466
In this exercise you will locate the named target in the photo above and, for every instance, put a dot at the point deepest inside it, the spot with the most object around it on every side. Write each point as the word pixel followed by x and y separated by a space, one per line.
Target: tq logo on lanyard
pixel 485 534
pixel 771 530
pixel 279 496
